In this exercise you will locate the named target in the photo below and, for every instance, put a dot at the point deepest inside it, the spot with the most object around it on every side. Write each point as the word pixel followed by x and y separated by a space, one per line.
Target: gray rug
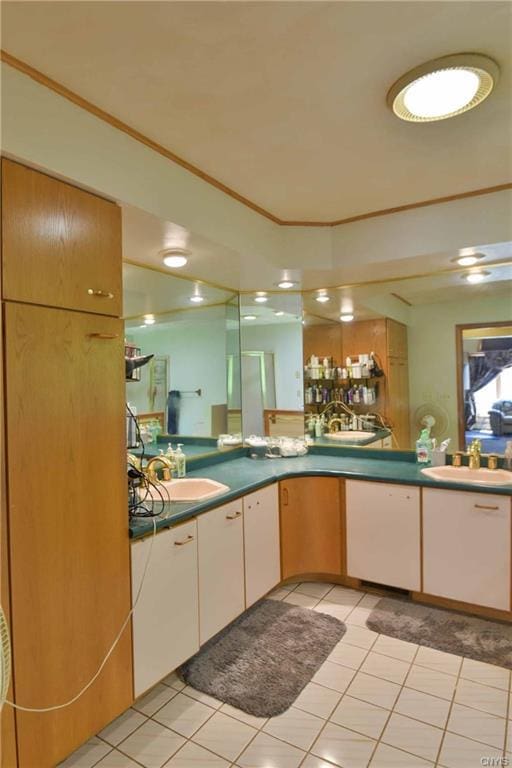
pixel 262 661
pixel 444 630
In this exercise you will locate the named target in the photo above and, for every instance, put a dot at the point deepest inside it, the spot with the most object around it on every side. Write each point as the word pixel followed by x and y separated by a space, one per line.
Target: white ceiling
pixel 283 101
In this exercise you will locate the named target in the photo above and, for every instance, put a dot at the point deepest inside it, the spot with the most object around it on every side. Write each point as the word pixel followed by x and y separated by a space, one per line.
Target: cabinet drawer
pixel 466 547
pixel 261 543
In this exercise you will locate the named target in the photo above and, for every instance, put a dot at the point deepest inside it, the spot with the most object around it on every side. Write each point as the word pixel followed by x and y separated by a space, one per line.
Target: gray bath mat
pixel 262 661
pixel 444 630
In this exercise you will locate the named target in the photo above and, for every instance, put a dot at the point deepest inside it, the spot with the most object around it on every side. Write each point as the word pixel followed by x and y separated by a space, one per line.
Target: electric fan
pixel 433 417
pixel 5 658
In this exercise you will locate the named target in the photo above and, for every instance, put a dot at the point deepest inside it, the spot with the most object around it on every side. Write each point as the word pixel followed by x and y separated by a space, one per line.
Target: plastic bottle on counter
pixel 180 461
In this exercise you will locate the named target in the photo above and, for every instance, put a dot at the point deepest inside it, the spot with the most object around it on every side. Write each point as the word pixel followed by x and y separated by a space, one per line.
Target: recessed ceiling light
pixel 286 284
pixel 175 257
pixel 443 87
pixel 476 277
pixel 261 299
pixel 322 298
pixel 346 318
pixel 249 317
pixel 197 299
pixel 149 319
pixel 467 260
pixel 279 313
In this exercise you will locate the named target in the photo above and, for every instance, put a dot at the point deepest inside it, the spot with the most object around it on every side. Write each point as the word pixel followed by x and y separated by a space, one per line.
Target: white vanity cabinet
pixel 383 533
pixel 221 567
pixel 466 547
pixel 166 618
pixel 261 543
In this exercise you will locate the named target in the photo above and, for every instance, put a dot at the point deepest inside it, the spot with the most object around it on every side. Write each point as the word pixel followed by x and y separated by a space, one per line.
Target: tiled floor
pixel 375 702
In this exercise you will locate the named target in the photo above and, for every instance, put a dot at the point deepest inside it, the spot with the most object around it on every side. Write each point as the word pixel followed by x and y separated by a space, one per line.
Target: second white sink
pixel 188 489
pixel 348 434
pixel 466 475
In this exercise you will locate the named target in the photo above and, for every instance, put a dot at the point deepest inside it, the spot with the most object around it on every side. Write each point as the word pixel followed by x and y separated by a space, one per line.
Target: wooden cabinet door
pixel 221 568
pixel 383 533
pixel 61 246
pixel 261 543
pixel 396 339
pixel 68 524
pixel 166 618
pixel 466 547
pixel 311 526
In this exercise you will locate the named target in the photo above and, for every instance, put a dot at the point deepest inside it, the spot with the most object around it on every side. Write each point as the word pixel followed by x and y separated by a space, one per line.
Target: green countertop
pixel 244 475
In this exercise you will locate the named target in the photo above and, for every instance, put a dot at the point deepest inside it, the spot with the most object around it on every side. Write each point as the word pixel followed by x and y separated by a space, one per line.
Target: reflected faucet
pixel 334 420
pixel 474 454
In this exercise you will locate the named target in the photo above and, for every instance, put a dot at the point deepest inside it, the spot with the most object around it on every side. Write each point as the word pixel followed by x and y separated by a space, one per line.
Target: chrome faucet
pixel 474 454
pixel 167 468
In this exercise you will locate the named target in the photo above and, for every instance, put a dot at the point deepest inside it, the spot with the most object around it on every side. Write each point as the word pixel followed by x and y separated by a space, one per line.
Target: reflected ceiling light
pixel 476 277
pixel 149 319
pixel 261 299
pixel 197 299
pixel 347 318
pixel 322 298
pixel 286 284
pixel 467 260
pixel 279 313
pixel 443 87
pixel 175 257
pixel 249 317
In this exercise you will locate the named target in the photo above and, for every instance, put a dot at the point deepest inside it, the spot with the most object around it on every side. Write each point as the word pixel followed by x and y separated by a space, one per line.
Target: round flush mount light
pixel 443 87
pixel 175 257
pixel 467 260
pixel 322 299
pixel 249 317
pixel 285 284
pixel 476 277
pixel 261 299
pixel 346 318
pixel 197 299
pixel 149 320
pixel 279 313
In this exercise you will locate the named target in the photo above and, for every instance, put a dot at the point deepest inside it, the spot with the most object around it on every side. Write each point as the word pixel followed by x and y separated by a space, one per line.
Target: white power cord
pixel 107 656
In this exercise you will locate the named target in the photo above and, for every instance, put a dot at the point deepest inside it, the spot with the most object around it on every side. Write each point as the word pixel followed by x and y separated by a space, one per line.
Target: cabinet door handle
pixel 233 517
pixel 104 336
pixel 100 294
pixel 484 506
pixel 182 543
pixel 285 497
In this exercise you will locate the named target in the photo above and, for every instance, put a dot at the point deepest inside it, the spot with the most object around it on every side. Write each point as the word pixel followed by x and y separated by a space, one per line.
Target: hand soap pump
pixel 424 447
pixel 181 461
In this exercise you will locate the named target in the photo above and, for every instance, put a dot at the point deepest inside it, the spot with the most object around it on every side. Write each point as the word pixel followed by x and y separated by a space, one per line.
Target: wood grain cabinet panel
pixel 396 339
pixel 312 529
pixel 61 246
pixel 68 524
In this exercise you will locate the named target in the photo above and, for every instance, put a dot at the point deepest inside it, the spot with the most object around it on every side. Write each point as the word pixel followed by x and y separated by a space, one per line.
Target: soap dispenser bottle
pixel 181 461
pixel 424 447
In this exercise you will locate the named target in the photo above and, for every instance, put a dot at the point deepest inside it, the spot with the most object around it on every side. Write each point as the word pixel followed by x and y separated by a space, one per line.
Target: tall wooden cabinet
pixel 67 507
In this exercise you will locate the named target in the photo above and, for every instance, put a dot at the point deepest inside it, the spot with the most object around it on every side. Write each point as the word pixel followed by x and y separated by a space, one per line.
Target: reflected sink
pixel 188 489
pixel 348 434
pixel 466 475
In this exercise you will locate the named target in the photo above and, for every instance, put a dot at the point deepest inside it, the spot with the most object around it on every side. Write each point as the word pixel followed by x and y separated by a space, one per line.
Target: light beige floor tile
pixel 116 759
pixel 183 715
pixel 297 598
pixel 390 669
pixel 152 744
pixel 193 756
pixel 296 727
pixel 438 660
pixel 278 594
pixel 458 752
pixel 345 596
pixel 389 757
pixel 317 700
pixel 122 726
pixel 412 736
pixel 333 676
pixel 398 649
pixel 477 725
pixel 348 655
pixel 492 700
pixel 174 681
pixel 487 674
pixel 267 752
pixel 431 681
pixel 374 690
pixel 87 755
pixel 289 587
pixel 360 716
pixel 359 636
pixel 204 698
pixel 315 762
pixel 369 601
pixel 314 588
pixel 224 735
pixel 152 701
pixel 422 706
pixel 244 717
pixel 359 615
pixel 333 609
pixel 343 747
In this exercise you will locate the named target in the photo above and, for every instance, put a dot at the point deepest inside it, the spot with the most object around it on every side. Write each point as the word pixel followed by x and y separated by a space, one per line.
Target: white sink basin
pixel 348 434
pixel 466 475
pixel 188 489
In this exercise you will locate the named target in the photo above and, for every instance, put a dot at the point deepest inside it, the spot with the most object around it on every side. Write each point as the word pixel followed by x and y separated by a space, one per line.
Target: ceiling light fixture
pixel 175 257
pixel 197 299
pixel 476 277
pixel 286 284
pixel 467 260
pixel 279 313
pixel 346 318
pixel 249 317
pixel 261 299
pixel 322 298
pixel 149 319
pixel 443 87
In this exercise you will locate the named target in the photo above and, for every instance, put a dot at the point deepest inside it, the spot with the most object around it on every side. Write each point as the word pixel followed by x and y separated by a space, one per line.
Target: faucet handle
pixel 492 461
pixel 457 459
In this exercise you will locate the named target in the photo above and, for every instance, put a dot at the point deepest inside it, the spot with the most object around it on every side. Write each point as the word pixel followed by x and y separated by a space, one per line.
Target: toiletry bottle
pixel 318 427
pixel 181 461
pixel 424 447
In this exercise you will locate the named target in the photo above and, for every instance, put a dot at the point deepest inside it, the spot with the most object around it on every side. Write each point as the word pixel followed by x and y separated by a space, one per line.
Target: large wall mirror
pixel 190 390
